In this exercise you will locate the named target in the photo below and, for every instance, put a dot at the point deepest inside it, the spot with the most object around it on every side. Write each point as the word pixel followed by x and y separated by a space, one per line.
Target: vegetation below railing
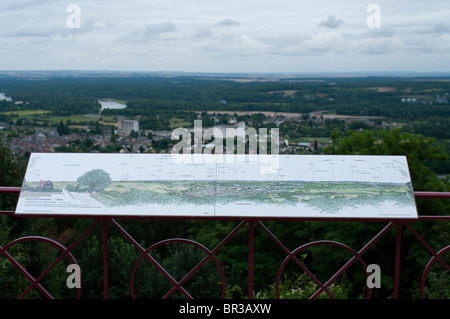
pixel 234 255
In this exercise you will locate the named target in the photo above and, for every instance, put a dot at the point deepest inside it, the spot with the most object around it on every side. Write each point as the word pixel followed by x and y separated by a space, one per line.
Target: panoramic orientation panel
pixel 173 185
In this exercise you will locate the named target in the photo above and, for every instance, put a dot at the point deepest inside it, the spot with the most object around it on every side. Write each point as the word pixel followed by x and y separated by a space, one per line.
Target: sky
pixel 227 36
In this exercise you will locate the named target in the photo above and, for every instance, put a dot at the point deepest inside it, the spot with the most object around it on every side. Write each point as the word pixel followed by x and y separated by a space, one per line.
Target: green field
pixel 42 117
pixel 26 113
pixel 326 196
pixel 177 122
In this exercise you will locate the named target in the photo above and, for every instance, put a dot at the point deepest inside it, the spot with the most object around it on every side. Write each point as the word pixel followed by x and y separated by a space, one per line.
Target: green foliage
pixel 233 256
pixel 63 129
pixel 35 258
pixel 13 170
pixel 12 282
pixel 301 286
pixel 95 180
pixel 145 94
pixel 437 285
pixel 178 260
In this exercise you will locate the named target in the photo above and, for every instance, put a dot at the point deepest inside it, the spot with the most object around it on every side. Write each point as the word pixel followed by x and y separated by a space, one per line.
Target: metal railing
pixel 251 223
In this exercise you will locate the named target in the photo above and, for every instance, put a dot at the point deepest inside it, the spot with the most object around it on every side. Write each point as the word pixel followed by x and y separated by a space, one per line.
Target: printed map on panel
pixel 222 185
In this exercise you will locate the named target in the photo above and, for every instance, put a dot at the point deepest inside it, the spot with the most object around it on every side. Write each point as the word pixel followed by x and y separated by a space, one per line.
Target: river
pixel 3 97
pixel 109 104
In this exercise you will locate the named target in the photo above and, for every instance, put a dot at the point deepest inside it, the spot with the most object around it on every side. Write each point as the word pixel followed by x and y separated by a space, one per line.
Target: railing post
pixel 105 258
pixel 251 233
pixel 398 238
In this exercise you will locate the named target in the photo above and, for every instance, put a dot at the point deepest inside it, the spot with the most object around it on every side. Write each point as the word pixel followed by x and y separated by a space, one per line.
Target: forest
pixel 419 104
pixel 371 96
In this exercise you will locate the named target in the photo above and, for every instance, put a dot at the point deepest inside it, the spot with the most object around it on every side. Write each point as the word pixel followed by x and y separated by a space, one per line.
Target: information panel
pixel 176 185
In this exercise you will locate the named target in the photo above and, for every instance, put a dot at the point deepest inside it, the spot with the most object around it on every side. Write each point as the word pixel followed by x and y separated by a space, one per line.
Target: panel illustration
pixel 217 185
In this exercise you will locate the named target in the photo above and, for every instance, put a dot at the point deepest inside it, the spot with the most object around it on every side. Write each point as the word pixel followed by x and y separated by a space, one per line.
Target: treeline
pixel 145 94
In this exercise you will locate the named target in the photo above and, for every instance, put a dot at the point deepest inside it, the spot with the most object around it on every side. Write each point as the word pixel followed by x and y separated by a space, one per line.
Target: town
pixel 126 137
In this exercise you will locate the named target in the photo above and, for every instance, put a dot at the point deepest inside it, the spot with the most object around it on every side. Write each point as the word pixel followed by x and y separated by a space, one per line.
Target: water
pixel 107 104
pixel 3 97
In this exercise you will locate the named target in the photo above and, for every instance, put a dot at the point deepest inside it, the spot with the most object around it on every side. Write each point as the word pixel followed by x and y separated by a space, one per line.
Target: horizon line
pixel 300 73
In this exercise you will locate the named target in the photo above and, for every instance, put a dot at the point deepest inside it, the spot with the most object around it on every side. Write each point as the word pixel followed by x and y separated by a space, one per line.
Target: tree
pixel 13 170
pixel 134 134
pixel 63 129
pixel 95 180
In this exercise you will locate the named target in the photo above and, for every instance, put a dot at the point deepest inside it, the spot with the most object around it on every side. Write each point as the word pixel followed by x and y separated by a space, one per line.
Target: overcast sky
pixel 226 36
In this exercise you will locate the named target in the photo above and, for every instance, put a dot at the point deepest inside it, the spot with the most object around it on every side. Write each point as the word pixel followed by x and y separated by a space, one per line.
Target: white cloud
pixel 331 22
pixel 152 30
pixel 285 40
pixel 227 23
pixel 203 33
pixel 233 35
pixel 441 28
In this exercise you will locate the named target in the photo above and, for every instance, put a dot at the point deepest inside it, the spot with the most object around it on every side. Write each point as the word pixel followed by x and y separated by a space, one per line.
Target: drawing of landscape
pixel 319 187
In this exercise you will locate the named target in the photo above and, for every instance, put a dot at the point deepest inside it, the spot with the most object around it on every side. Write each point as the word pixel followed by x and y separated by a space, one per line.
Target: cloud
pixel 331 22
pixel 152 30
pixel 53 30
pixel 228 23
pixel 23 4
pixel 203 33
pixel 384 32
pixel 285 40
pixel 28 33
pixel 440 29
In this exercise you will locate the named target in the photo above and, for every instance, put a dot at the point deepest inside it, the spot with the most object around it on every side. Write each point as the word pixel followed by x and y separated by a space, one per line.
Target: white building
pixel 126 126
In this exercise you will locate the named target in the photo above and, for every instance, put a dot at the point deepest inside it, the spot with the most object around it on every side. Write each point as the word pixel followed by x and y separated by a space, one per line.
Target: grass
pixel 177 122
pixel 45 117
pixel 73 118
pixel 26 113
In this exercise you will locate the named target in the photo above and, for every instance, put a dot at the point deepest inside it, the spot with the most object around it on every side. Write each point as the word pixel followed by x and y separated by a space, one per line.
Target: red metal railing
pixel 211 254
